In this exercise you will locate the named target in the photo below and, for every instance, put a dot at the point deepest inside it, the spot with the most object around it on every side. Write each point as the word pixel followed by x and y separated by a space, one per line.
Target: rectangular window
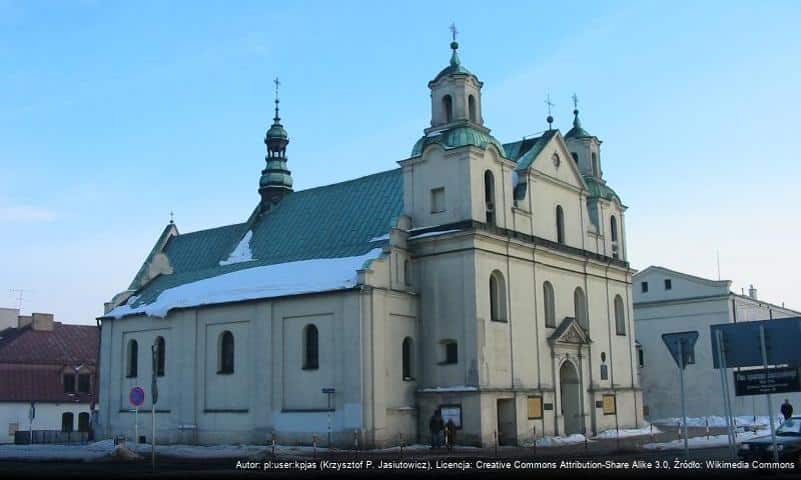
pixel 668 284
pixel 69 383
pixel 83 383
pixel 438 200
pixel 641 357
pixel 534 408
pixel 609 405
pixel 451 352
pixel 644 287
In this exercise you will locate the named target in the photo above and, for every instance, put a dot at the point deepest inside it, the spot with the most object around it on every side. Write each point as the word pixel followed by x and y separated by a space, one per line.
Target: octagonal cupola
pixel 276 179
pixel 455 94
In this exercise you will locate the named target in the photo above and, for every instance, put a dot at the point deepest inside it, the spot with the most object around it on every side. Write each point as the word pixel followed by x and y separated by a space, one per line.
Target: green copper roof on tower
pixel 577 131
pixel 455 67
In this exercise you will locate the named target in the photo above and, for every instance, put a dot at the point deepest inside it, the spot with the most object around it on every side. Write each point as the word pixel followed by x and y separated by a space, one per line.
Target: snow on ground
pixel 242 251
pixel 719 421
pixel 546 441
pixel 627 432
pixel 268 281
pixel 457 388
pixel 40 452
pixel 704 442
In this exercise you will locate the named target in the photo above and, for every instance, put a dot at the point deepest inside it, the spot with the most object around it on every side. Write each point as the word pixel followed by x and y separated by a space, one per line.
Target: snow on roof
pixel 242 252
pixel 292 278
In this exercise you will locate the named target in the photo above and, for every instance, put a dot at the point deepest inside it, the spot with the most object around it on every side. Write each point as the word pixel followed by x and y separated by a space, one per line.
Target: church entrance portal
pixel 507 433
pixel 570 393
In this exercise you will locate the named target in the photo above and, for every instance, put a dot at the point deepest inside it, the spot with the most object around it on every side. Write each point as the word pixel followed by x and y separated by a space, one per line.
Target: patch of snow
pixel 132 300
pixel 50 452
pixel 305 276
pixel 433 234
pixel 457 388
pixel 242 251
pixel 704 442
pixel 627 432
pixel 434 133
pixel 549 441
pixel 380 239
pixel 719 421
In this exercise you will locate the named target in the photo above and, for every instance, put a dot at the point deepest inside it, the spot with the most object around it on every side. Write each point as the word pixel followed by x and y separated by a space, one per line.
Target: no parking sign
pixel 137 397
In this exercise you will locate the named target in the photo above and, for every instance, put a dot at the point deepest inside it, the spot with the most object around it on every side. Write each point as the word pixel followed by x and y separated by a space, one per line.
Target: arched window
pixel 67 419
pixel 311 348
pixel 613 228
pixel 225 362
pixel 549 302
pixel 575 157
pixel 408 359
pixel 580 305
pixel 489 196
pixel 620 316
pixel 407 272
pixel 594 164
pixel 560 224
pixel 471 107
pixel 497 291
pixel 133 359
pixel 83 422
pixel 160 356
pixel 447 108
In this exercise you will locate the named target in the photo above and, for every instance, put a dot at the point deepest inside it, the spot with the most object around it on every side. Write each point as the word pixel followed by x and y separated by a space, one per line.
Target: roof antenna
pixel 277 84
pixel 19 294
pixel 549 119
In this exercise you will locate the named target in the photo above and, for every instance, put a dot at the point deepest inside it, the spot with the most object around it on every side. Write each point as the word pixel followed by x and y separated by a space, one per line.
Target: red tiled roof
pixel 32 362
pixel 36 383
pixel 64 345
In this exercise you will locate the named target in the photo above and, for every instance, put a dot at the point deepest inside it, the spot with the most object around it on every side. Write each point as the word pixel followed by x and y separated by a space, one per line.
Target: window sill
pixel 550 326
pixel 621 334
pixel 408 379
pixel 221 372
pixel 130 376
pixel 309 368
pixel 500 320
pixel 447 363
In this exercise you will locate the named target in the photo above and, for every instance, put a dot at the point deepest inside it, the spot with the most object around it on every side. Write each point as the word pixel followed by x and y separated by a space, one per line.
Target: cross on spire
pixel 277 84
pixel 550 104
pixel 172 217
pixel 454 32
pixel 575 102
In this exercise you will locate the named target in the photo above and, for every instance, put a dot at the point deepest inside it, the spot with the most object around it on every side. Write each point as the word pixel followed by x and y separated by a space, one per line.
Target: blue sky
pixel 115 113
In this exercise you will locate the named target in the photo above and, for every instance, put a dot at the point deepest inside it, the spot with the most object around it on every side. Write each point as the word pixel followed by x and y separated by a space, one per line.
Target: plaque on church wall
pixel 534 408
pixel 599 404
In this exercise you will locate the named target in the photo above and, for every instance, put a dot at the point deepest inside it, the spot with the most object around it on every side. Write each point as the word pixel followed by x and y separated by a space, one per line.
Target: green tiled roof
pixel 599 189
pixel 525 151
pixel 457 137
pixel 332 221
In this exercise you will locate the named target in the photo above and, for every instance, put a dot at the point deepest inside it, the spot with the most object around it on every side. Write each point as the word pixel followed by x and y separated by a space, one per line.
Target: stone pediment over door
pixel 569 332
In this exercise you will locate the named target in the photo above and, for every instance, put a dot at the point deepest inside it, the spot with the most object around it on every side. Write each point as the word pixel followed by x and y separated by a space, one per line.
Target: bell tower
pixel 276 179
pixel 584 148
pixel 455 94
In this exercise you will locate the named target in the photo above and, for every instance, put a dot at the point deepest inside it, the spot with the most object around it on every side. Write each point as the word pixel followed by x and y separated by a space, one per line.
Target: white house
pixel 668 301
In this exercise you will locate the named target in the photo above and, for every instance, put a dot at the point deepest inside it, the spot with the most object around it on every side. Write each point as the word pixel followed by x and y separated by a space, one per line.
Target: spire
pixel 549 118
pixel 576 131
pixel 276 179
pixel 454 46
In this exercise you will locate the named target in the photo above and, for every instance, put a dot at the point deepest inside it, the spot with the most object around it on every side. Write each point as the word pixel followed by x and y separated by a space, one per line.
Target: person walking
pixel 440 427
pixel 432 429
pixel 450 434
pixel 787 409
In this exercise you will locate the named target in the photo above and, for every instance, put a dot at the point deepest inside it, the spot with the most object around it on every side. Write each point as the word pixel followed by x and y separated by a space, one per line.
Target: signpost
pixel 682 347
pixel 330 391
pixel 734 345
pixel 137 398
pixel 154 392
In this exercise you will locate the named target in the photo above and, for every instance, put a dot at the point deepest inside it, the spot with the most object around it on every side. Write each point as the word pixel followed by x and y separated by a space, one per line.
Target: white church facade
pixel 484 279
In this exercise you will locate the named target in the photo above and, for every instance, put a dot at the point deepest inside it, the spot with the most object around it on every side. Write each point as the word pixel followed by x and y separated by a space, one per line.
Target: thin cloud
pixel 25 213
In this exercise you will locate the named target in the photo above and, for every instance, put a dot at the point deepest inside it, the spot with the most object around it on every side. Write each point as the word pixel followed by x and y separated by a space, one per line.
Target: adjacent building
pixel 488 280
pixel 49 367
pixel 668 301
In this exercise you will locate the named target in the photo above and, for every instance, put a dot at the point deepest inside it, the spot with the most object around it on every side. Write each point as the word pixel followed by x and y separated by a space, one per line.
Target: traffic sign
pixel 137 396
pixel 681 346
pixel 766 380
pixel 329 390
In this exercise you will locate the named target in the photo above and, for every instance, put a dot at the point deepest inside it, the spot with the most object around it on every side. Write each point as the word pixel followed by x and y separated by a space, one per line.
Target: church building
pixel 488 280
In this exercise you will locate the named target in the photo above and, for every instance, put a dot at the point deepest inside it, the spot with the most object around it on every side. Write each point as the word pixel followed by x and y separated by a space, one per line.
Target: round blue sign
pixel 137 396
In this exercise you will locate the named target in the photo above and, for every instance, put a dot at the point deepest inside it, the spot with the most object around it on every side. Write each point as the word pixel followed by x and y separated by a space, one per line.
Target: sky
pixel 114 114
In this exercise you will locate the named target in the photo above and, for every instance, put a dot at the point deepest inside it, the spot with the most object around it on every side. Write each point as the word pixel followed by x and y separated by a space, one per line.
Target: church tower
pixel 276 179
pixel 455 95
pixel 585 148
